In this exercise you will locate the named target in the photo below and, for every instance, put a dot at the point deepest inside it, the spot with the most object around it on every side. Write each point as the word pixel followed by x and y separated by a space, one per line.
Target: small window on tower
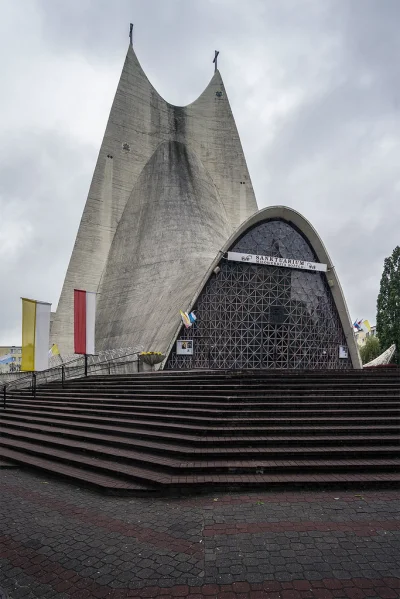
pixel 126 147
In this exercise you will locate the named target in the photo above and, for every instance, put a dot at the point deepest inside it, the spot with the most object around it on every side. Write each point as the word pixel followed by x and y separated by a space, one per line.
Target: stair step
pixel 156 472
pixel 203 441
pixel 219 401
pixel 101 481
pixel 95 464
pixel 129 449
pixel 319 425
pixel 198 420
pixel 205 406
pixel 189 430
pixel 218 386
pixel 111 483
pixel 182 414
pixel 203 391
pixel 196 401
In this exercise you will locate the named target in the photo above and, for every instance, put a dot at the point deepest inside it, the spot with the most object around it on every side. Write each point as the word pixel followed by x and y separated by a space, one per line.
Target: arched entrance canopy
pixel 258 315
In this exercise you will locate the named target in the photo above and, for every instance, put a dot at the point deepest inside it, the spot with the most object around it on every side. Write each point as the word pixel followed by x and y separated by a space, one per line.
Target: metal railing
pixel 115 362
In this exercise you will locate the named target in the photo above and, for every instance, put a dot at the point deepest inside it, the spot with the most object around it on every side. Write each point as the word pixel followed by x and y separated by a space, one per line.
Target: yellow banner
pixel 365 324
pixel 54 350
pixel 28 334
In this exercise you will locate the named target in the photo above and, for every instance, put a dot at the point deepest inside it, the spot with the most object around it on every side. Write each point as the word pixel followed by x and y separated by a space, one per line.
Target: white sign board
pixel 184 347
pixel 274 261
pixel 343 351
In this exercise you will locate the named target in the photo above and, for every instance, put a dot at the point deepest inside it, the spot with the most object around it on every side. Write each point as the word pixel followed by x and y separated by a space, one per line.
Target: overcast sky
pixel 314 88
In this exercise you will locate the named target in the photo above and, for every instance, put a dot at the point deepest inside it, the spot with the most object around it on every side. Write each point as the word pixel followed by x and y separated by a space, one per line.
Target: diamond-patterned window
pixel 258 316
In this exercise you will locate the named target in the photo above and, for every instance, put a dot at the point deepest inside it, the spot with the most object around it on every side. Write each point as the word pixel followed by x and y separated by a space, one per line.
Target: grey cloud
pixel 335 157
pixel 44 178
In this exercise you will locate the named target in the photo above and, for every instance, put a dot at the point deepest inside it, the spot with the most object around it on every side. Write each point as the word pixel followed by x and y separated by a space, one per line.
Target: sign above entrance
pixel 274 261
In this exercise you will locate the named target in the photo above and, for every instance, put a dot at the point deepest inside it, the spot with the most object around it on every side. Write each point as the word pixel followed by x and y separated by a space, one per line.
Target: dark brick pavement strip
pixel 366 528
pixel 21 585
pixel 147 535
pixel 285 498
pixel 51 576
pixel 173 517
pixel 328 509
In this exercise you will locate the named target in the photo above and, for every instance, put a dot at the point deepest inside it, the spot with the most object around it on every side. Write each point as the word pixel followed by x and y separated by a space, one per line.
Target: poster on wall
pixel 343 351
pixel 184 347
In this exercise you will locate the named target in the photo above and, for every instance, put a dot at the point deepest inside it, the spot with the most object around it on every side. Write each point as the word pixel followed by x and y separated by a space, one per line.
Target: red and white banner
pixel 84 321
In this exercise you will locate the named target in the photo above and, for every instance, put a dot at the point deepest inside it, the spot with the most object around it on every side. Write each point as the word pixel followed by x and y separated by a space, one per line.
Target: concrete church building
pixel 171 223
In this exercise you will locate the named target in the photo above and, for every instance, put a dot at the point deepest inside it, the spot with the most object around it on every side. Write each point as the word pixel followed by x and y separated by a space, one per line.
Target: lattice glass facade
pixel 257 316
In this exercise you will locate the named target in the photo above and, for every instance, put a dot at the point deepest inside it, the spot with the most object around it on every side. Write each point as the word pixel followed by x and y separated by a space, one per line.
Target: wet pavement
pixel 59 541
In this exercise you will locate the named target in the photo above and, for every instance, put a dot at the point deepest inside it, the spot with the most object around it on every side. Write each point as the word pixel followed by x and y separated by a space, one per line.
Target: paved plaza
pixel 61 541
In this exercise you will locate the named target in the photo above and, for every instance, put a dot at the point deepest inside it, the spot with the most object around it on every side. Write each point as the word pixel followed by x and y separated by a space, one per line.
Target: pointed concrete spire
pixel 129 141
pixel 140 120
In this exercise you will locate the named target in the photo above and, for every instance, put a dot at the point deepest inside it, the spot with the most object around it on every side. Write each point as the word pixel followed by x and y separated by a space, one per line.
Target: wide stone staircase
pixel 197 430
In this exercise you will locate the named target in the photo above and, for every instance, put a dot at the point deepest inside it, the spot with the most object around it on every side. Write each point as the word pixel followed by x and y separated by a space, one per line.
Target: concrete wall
pixel 172 227
pixel 140 120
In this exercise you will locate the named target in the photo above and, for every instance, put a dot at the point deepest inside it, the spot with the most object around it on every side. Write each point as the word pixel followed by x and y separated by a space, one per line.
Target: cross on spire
pixel 216 59
pixel 131 33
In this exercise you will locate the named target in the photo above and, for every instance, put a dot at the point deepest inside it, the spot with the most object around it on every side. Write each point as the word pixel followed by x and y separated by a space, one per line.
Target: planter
pixel 151 359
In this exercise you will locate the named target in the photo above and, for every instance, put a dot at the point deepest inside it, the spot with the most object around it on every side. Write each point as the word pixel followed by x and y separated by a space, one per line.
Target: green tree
pixel 370 350
pixel 388 306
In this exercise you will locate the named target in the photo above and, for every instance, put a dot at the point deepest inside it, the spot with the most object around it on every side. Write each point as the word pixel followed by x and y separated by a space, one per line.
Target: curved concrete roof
pixel 140 120
pixel 291 216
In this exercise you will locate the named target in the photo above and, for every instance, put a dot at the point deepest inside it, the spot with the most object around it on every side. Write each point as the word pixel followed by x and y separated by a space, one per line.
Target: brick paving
pixel 61 541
